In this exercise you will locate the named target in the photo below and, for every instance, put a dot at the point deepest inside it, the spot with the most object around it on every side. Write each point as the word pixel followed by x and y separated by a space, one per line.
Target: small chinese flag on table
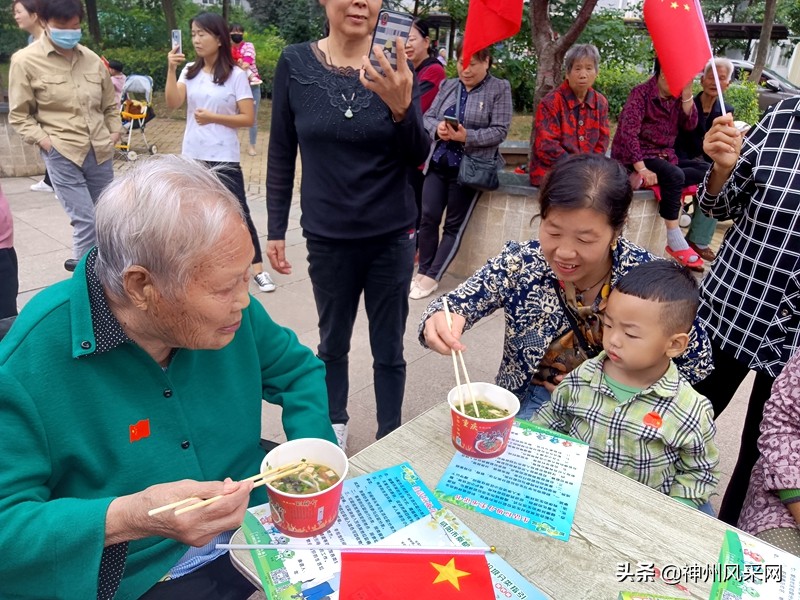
pixel 679 38
pixel 372 576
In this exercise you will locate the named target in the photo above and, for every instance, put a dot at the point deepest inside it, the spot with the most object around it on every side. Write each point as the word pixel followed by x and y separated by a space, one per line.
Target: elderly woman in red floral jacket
pixel 772 506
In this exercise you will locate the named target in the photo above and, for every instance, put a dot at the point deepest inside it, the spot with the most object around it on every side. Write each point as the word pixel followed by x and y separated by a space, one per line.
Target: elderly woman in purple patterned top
pixel 772 507
pixel 644 142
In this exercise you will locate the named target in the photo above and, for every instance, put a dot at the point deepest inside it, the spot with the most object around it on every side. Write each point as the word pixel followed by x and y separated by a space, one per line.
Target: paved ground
pixel 43 242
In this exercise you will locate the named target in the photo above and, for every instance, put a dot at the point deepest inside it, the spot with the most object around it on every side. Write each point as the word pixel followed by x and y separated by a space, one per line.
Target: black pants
pixel 671 183
pixel 218 580
pixel 694 170
pixel 47 178
pixel 339 272
pixel 442 190
pixel 9 282
pixel 719 387
pixel 416 179
pixel 231 176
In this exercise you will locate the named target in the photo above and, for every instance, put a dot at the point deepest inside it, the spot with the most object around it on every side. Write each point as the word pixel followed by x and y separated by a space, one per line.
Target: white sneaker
pixel 41 186
pixel 264 282
pixel 340 429
pixel 685 219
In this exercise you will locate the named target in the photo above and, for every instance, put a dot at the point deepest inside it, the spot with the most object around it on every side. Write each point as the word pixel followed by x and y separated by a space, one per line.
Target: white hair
pixel 579 52
pixel 721 62
pixel 162 215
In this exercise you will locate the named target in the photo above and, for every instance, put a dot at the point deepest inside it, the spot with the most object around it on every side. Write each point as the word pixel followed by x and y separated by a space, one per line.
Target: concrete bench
pixel 506 214
pixel 515 153
pixel 17 159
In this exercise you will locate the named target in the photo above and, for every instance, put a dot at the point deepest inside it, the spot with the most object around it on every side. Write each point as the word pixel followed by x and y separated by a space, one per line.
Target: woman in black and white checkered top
pixel 750 300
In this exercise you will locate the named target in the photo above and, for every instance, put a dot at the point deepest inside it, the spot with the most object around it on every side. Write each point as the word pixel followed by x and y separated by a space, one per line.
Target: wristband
pixel 689 100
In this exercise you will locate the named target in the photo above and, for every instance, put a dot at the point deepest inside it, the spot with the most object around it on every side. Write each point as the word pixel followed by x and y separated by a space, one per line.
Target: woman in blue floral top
pixel 553 291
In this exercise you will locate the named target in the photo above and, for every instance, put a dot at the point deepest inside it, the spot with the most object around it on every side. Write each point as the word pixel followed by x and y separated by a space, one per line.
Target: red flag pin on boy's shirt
pixel 653 419
pixel 374 576
pixel 140 430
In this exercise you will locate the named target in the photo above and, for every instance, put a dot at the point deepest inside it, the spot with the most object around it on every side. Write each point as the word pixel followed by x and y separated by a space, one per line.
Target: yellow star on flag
pixel 686 7
pixel 674 5
pixel 449 573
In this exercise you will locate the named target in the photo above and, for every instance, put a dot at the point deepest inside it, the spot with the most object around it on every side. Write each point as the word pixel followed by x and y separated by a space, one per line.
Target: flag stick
pixel 713 62
pixel 372 549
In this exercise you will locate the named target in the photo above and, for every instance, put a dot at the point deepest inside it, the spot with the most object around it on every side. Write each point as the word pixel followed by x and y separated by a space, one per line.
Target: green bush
pixel 143 61
pixel 268 45
pixel 615 84
pixel 743 96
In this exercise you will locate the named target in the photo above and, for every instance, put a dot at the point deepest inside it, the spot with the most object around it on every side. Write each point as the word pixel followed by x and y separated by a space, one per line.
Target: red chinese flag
pixel 489 21
pixel 371 576
pixel 140 430
pixel 680 39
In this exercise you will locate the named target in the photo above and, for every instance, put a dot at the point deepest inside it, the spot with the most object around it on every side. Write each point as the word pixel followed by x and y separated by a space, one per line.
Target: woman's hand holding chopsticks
pixel 442 338
pixel 127 516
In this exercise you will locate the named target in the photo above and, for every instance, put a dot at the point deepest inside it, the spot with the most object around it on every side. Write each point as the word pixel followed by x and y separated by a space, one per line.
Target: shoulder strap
pixel 573 323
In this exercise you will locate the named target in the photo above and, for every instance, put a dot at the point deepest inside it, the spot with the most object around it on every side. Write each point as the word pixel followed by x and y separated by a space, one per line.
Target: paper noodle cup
pixel 304 515
pixel 482 438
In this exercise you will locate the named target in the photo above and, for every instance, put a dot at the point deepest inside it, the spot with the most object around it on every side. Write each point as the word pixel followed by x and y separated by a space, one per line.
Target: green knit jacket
pixel 67 448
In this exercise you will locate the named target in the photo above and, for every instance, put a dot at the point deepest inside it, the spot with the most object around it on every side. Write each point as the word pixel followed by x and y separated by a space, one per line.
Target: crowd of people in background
pixel 597 329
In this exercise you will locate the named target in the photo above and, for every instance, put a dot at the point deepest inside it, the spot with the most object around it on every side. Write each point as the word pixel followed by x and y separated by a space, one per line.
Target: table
pixel 618 520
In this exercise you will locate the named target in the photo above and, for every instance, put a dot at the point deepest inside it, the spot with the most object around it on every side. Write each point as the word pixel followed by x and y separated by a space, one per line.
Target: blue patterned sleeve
pixel 484 292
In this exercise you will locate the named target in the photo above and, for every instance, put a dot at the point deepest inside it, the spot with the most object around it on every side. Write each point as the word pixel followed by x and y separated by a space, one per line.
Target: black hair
pixel 31 6
pixel 481 54
pixel 116 65
pixel 669 284
pixel 216 26
pixel 237 27
pixel 588 181
pixel 60 10
pixel 656 67
pixel 424 30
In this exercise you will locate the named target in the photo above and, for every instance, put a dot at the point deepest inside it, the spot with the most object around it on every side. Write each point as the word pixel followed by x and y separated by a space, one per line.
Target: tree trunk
pixel 764 42
pixel 169 14
pixel 226 10
pixel 92 21
pixel 550 47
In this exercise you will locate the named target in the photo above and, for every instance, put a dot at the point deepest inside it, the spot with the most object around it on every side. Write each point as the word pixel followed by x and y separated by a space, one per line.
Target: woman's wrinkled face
pixel 352 18
pixel 24 19
pixel 205 43
pixel 208 312
pixel 710 86
pixel 576 243
pixel 417 47
pixel 475 71
pixel 582 75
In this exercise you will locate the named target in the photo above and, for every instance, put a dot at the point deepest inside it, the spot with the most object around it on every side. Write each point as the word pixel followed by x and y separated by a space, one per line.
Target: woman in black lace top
pixel 357 132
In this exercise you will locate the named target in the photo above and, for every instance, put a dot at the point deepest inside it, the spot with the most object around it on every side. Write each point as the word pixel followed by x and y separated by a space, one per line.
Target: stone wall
pixel 17 159
pixel 506 213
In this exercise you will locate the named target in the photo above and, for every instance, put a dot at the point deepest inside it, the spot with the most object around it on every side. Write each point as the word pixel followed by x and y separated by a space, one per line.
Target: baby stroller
pixel 137 95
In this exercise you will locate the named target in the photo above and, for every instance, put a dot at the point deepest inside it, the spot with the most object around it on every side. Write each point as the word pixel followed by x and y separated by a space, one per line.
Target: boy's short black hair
pixel 116 65
pixel 668 283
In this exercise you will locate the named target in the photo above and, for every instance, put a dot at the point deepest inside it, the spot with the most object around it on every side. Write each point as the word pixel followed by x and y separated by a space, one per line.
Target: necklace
pixel 579 293
pixel 349 112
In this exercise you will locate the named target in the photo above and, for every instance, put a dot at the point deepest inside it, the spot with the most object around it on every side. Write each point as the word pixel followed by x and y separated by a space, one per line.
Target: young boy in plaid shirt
pixel 639 416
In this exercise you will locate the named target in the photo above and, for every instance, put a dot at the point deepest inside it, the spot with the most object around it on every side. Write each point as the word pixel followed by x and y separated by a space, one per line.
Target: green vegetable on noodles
pixel 486 410
pixel 314 478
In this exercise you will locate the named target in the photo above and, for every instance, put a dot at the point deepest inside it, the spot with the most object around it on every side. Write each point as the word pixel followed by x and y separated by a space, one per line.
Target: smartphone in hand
pixel 176 40
pixel 452 122
pixel 390 25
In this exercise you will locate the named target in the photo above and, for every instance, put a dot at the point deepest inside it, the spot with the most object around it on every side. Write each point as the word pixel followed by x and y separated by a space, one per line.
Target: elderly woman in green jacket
pixel 139 382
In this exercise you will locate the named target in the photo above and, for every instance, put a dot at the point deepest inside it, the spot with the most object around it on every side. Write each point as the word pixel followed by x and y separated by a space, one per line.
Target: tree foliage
pixel 295 20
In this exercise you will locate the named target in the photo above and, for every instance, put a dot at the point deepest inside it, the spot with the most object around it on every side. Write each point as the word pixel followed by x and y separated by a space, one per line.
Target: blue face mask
pixel 65 38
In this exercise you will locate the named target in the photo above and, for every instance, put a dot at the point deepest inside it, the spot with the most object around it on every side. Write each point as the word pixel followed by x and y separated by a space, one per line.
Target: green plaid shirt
pixel 678 458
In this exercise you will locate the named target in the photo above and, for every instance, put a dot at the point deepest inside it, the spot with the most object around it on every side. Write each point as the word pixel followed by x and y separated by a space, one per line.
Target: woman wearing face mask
pixel 244 54
pixel 219 102
pixel 76 140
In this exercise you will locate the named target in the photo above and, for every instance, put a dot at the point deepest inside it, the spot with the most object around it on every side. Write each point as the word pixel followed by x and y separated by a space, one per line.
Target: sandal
pixel 685 257
pixel 706 253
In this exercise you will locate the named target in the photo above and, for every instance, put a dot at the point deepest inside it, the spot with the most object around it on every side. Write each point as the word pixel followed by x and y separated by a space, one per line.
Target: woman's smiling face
pixel 576 243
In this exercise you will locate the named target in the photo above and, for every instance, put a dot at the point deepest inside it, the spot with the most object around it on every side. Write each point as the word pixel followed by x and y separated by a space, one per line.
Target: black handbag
pixel 478 173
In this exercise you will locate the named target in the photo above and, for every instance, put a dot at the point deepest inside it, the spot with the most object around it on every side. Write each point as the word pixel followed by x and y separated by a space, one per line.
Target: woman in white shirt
pixel 219 102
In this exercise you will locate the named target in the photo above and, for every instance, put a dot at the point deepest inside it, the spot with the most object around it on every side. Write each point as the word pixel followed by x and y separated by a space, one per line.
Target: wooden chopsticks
pixel 259 479
pixel 463 366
